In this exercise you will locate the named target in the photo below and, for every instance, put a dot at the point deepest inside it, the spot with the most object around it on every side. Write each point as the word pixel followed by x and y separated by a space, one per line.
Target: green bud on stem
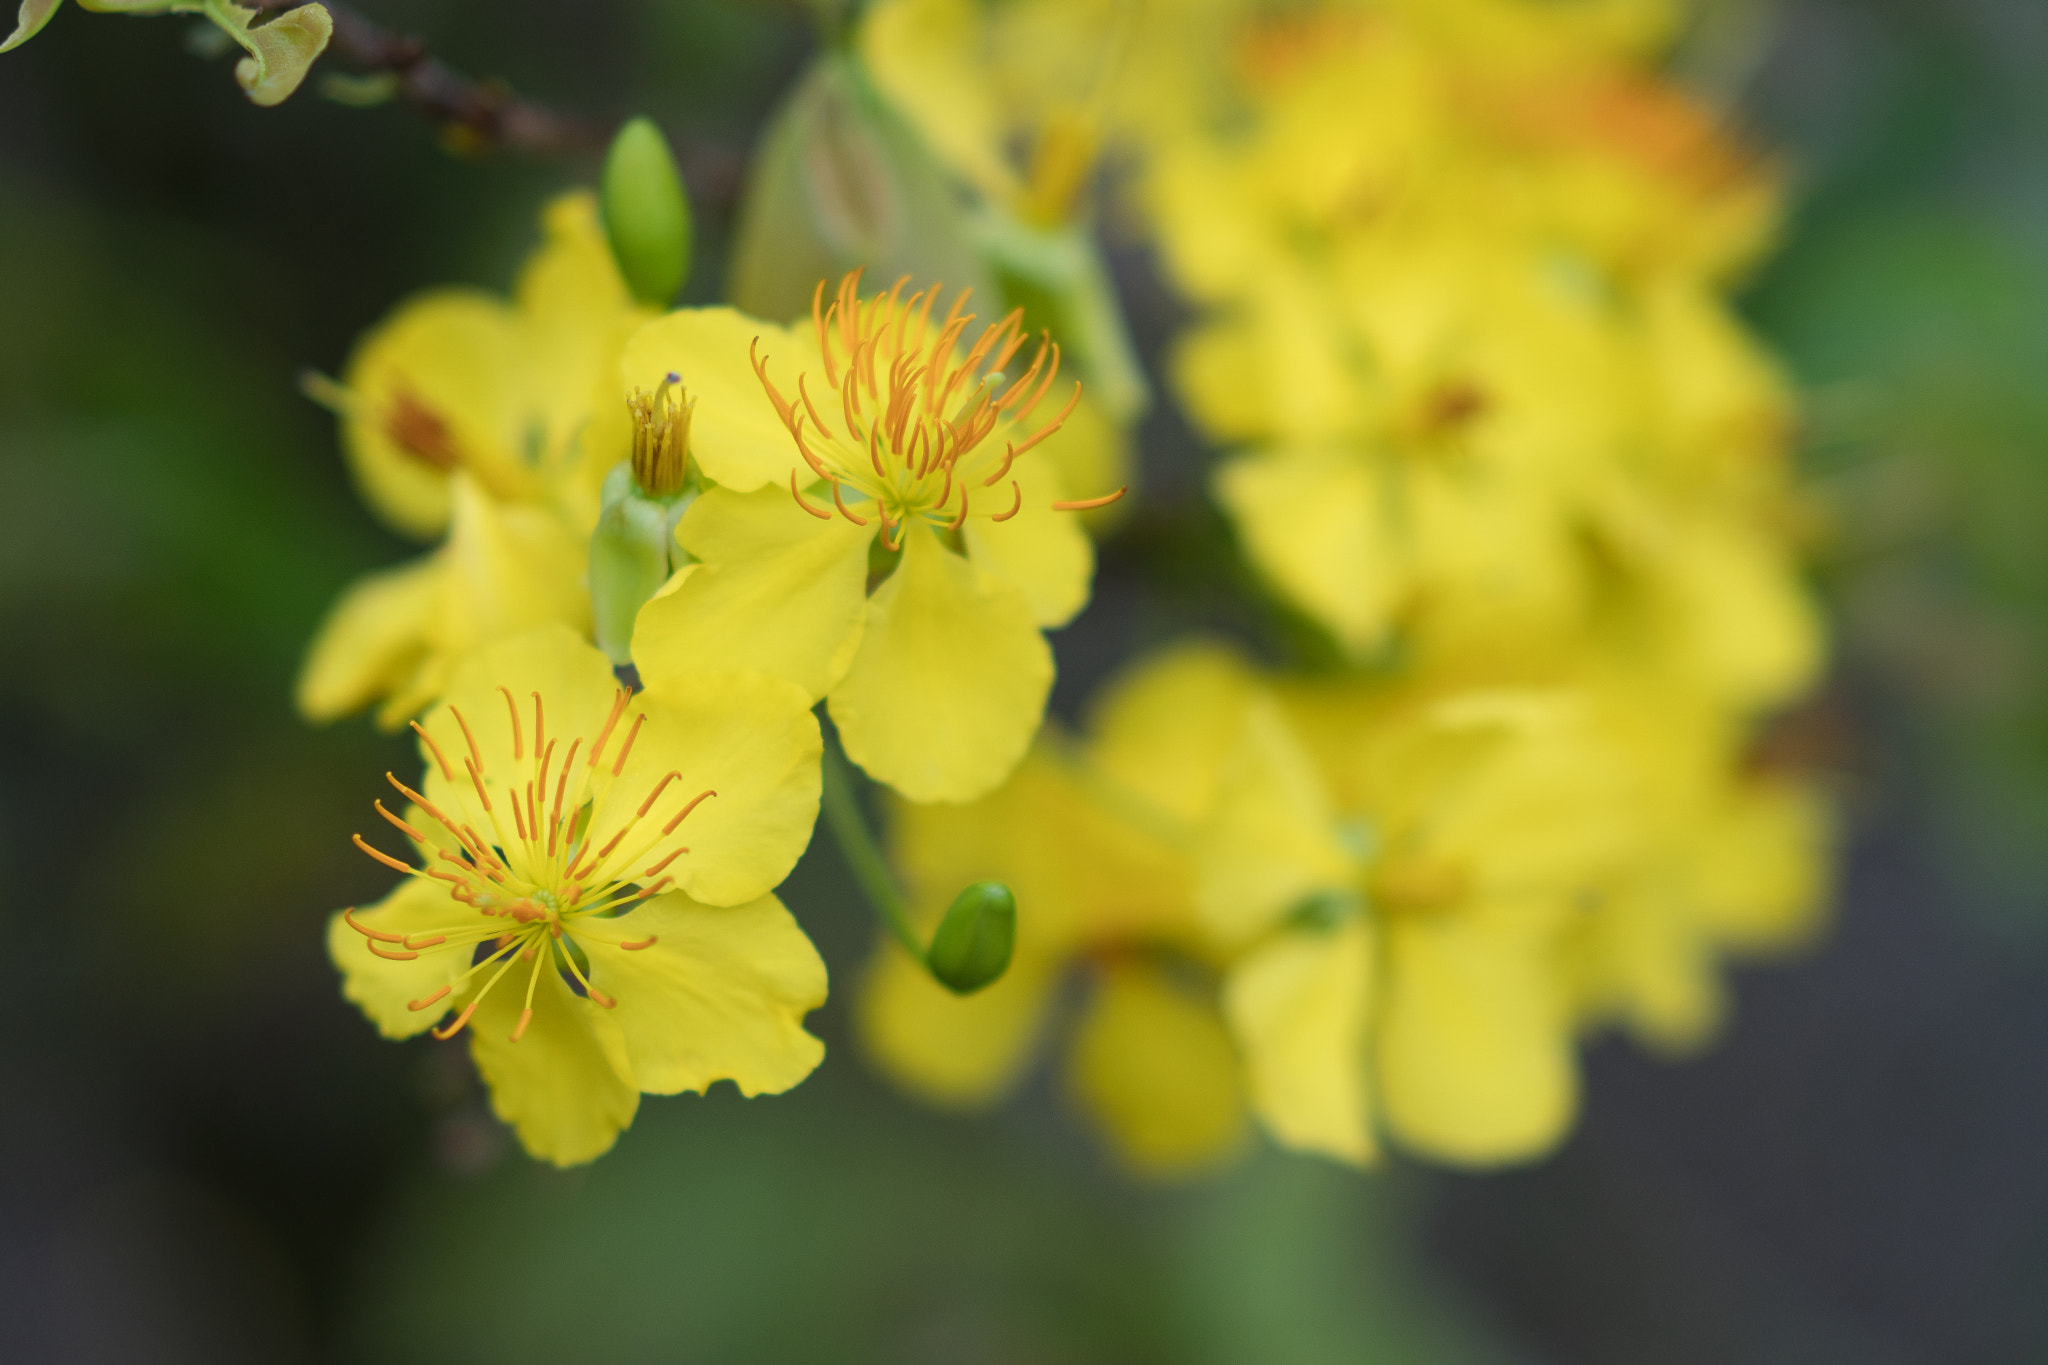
pixel 975 939
pixel 646 213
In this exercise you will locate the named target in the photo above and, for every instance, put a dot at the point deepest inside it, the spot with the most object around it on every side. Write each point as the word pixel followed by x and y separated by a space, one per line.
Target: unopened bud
pixel 646 213
pixel 661 437
pixel 974 941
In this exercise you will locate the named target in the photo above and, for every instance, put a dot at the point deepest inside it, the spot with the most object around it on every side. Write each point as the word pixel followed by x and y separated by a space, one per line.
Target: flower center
pixel 661 437
pixel 918 421
pixel 555 865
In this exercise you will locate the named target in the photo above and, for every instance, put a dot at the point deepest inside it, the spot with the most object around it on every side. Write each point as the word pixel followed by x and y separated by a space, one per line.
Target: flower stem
pixel 857 845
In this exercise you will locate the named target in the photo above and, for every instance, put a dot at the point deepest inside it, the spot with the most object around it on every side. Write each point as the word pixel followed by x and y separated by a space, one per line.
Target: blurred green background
pixel 205 1155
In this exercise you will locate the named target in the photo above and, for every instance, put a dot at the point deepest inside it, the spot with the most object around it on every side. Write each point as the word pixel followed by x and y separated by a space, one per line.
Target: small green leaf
pixel 646 213
pixel 974 941
pixel 33 15
pixel 280 52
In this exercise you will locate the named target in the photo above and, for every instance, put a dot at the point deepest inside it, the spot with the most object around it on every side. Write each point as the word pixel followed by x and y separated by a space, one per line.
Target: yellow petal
pixel 721 995
pixel 1315 522
pixel 507 568
pixel 753 741
pixel 373 639
pixel 952 1050
pixel 1154 1064
pixel 576 687
pixel 381 987
pixel 735 435
pixel 1474 1054
pixel 924 56
pixel 566 1086
pixel 1042 553
pixel 1271 841
pixel 1166 729
pixel 779 592
pixel 1747 621
pixel 950 680
pixel 577 316
pixel 1299 1006
pixel 448 362
pixel 1761 865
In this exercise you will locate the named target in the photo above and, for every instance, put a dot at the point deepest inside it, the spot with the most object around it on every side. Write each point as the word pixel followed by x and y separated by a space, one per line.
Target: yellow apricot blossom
pixel 467 417
pixel 590 952
pixel 884 532
pixel 1102 875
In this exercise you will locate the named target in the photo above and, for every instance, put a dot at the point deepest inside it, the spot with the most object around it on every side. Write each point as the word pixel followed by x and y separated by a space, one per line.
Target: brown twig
pixel 472 116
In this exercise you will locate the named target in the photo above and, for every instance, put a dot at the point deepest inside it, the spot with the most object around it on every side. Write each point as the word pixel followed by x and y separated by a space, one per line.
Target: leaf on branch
pixel 34 14
pixel 280 52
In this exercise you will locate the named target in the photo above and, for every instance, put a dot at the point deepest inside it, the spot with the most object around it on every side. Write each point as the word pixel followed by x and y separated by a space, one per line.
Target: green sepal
pixel 31 18
pixel 646 213
pixel 842 181
pixel 1058 277
pixel 972 946
pixel 632 553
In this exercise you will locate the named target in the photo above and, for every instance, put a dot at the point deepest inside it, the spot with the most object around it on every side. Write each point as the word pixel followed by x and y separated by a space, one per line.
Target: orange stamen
pixel 409 831
pixel 820 515
pixel 695 801
pixel 840 503
pixel 400 956
pixel 1088 504
pixel 1015 507
pixel 619 764
pixel 647 942
pixel 665 862
pixel 620 699
pixel 474 752
pixel 418 1005
pixel 652 796
pixel 348 917
pixel 512 710
pixel 439 757
pixel 383 858
pixel 525 1018
pixel 463 1018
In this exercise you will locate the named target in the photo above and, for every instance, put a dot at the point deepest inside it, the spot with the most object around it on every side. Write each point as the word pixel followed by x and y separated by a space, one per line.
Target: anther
pixel 647 942
pixel 381 857
pixel 1015 507
pixel 540 730
pixel 418 1005
pixel 463 1018
pixel 655 795
pixel 399 956
pixel 820 514
pixel 619 701
pixel 408 830
pixel 1087 504
pixel 619 763
pixel 348 917
pixel 695 801
pixel 512 710
pixel 601 998
pixel 439 757
pixel 475 753
pixel 525 1018
pixel 433 942
pixel 665 862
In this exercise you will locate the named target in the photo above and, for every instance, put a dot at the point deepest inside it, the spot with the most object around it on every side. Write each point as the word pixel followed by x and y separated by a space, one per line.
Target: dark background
pixel 206 1155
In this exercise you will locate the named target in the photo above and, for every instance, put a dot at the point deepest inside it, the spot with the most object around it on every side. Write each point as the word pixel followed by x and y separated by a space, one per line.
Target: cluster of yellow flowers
pixel 1460 271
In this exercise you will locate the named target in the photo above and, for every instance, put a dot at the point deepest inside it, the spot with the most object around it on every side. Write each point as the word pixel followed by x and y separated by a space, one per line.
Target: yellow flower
pixel 885 532
pixel 592 954
pixel 1398 869
pixel 1101 874
pixel 465 415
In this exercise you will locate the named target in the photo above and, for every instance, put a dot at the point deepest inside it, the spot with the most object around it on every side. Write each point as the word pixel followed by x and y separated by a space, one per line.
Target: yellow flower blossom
pixel 1101 876
pixel 1397 868
pixel 466 416
pixel 590 952
pixel 885 532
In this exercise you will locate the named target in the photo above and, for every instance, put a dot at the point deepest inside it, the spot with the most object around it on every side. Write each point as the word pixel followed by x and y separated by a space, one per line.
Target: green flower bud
pixel 646 213
pixel 33 15
pixel 974 941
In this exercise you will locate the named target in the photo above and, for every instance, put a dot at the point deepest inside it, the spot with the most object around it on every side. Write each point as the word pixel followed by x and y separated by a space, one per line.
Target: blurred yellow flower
pixel 595 954
pixel 883 539
pixel 1101 874
pixel 467 416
